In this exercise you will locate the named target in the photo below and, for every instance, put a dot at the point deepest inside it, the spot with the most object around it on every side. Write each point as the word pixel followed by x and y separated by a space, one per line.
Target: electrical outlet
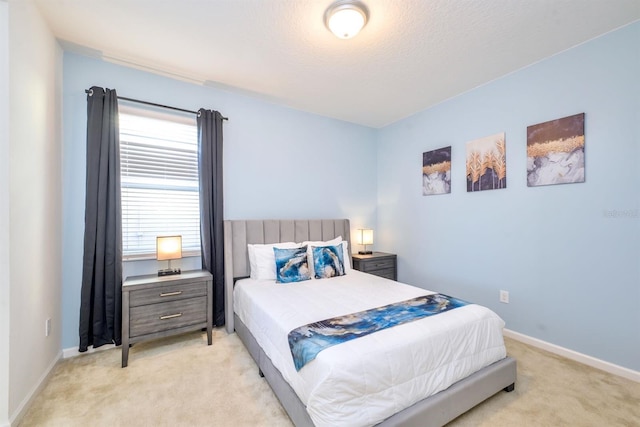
pixel 504 297
pixel 47 327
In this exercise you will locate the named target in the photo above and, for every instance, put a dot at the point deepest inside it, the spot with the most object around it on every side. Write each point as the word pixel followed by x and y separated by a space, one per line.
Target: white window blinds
pixel 159 181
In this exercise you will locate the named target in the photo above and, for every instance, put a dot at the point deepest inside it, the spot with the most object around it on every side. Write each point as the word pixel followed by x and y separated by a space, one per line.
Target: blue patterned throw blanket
pixel 309 340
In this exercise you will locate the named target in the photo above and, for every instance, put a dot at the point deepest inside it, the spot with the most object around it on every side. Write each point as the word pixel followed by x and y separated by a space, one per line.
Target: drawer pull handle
pixel 170 316
pixel 170 294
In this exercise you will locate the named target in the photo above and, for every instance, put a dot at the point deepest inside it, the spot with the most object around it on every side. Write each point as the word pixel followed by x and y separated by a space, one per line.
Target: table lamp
pixel 168 248
pixel 365 237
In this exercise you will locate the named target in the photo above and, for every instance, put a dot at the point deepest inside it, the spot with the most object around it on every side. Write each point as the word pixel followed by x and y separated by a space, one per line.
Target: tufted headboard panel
pixel 239 233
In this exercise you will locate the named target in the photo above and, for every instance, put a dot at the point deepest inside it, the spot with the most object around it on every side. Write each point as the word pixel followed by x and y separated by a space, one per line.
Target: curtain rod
pixel 154 104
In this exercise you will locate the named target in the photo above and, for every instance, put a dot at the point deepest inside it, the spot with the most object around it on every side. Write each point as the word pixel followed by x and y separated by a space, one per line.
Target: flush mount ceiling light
pixel 346 18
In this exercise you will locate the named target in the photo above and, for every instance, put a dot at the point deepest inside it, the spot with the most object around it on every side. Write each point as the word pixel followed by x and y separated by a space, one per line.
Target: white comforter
pixel 366 380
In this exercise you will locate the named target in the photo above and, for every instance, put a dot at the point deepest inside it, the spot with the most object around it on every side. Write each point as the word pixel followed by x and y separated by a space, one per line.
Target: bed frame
pixel 435 410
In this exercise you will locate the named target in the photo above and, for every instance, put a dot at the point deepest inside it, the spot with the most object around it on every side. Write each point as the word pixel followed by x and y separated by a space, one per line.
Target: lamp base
pixel 365 252
pixel 169 272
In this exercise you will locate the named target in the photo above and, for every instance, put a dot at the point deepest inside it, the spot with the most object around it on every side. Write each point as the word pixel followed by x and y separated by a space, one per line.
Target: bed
pixel 293 389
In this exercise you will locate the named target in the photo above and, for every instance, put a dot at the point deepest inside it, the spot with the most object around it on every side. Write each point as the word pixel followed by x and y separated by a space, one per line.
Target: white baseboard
pixel 73 351
pixel 37 388
pixel 611 368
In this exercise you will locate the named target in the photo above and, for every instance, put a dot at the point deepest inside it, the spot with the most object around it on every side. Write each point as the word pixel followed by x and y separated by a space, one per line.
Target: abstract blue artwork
pixel 307 341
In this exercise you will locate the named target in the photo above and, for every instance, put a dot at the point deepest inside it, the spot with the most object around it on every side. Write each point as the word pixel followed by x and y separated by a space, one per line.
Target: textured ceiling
pixel 411 55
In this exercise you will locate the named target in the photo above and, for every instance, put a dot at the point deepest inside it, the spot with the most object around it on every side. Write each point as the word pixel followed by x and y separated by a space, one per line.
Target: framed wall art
pixel 436 171
pixel 555 151
pixel 487 163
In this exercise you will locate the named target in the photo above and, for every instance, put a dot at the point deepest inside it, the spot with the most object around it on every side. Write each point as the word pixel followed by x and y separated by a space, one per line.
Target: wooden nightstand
pixel 379 263
pixel 156 307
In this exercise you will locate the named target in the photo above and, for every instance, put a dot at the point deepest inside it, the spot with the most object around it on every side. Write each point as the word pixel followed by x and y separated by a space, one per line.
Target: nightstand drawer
pixel 148 319
pixel 168 293
pixel 387 273
pixel 381 264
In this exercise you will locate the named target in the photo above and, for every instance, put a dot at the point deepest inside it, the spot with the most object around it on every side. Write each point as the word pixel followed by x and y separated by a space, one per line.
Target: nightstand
pixel 156 307
pixel 379 263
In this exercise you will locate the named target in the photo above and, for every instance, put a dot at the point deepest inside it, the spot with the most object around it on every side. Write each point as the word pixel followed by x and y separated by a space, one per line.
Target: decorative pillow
pixel 262 261
pixel 345 254
pixel 328 261
pixel 292 265
pixel 333 242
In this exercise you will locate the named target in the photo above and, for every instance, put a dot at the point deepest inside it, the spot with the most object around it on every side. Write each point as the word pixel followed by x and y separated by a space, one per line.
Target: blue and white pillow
pixel 337 241
pixel 328 261
pixel 292 265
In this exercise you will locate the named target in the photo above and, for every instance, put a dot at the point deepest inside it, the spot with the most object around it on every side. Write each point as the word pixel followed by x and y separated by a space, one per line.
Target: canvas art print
pixel 555 151
pixel 487 163
pixel 436 171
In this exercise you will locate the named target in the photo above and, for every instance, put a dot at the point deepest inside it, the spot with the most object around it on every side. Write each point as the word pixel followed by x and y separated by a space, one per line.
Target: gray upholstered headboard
pixel 238 233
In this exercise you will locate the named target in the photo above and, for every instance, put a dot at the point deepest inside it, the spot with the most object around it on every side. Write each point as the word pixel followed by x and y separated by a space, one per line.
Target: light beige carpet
pixel 181 381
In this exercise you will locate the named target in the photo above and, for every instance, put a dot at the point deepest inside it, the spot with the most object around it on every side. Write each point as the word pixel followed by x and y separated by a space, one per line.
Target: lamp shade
pixel 346 18
pixel 168 247
pixel 365 236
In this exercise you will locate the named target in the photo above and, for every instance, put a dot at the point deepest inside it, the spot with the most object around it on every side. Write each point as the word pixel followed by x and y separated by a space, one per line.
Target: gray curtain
pixel 211 204
pixel 101 296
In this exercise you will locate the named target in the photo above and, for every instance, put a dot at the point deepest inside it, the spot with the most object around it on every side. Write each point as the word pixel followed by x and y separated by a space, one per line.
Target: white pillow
pixel 332 242
pixel 263 261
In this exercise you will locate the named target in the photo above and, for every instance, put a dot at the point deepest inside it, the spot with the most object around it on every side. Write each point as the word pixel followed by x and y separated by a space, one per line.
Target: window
pixel 159 181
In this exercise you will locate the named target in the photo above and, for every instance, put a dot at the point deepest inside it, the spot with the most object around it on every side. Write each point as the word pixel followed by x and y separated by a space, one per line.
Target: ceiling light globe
pixel 345 19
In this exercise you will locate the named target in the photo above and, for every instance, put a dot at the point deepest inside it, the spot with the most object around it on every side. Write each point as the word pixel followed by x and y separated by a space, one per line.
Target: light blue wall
pixel 568 254
pixel 279 162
